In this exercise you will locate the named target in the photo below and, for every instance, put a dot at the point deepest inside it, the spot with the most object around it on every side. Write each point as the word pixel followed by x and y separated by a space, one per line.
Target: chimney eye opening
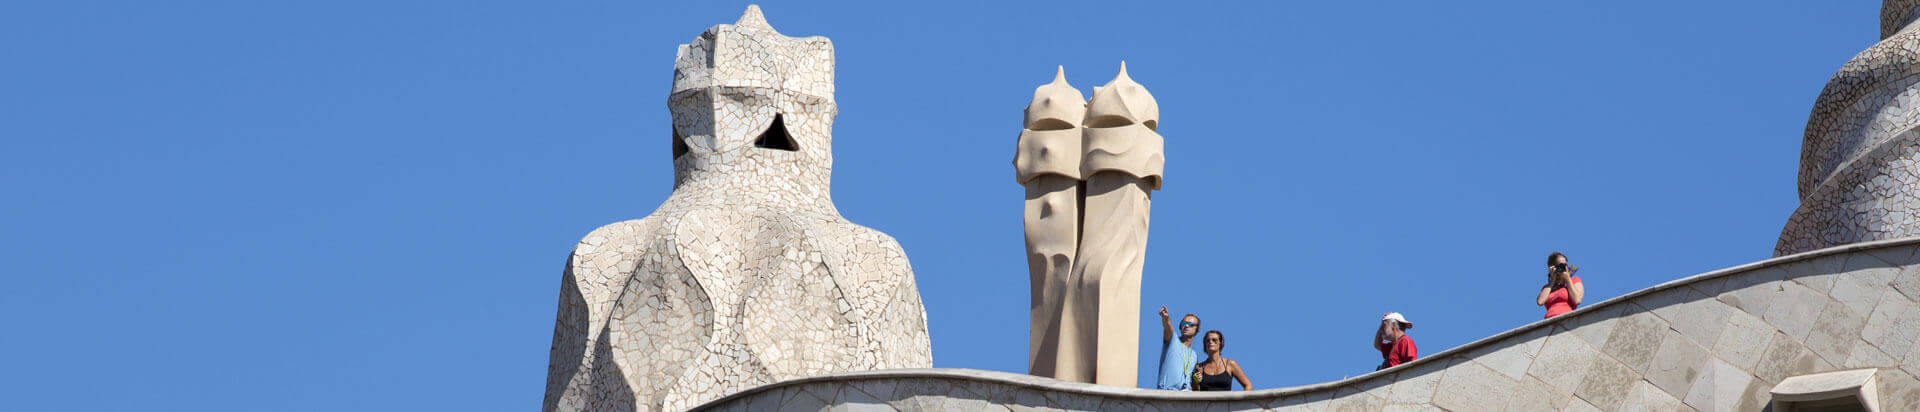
pixel 776 136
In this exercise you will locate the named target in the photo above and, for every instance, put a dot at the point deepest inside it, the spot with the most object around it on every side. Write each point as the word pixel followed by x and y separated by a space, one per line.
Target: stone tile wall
pixel 1713 342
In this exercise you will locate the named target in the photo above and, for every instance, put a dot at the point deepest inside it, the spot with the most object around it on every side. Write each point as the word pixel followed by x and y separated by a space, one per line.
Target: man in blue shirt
pixel 1177 361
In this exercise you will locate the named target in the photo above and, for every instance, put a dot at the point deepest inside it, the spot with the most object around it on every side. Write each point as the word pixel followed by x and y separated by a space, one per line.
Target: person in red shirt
pixel 1563 291
pixel 1392 341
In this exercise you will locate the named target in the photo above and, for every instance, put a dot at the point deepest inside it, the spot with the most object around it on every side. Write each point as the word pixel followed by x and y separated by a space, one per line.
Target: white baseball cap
pixel 1397 317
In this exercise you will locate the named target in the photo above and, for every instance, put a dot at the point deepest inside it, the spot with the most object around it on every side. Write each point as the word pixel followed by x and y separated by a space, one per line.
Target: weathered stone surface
pixel 1562 362
pixel 1310 402
pixel 1511 357
pixel 853 398
pixel 1908 282
pixel 1860 289
pixel 1636 337
pixel 1578 405
pixel 1743 340
pixel 1833 335
pixel 1470 386
pixel 1607 383
pixel 1719 387
pixel 1894 324
pixel 1676 364
pixel 1700 317
pixel 1899 390
pixel 1595 326
pixel 1864 355
pixel 1357 402
pixel 1795 309
pixel 1530 394
pixel 1896 255
pixel 1416 385
pixel 1754 290
pixel 1073 401
pixel 1666 303
pixel 1646 397
pixel 1412 408
pixel 1778 359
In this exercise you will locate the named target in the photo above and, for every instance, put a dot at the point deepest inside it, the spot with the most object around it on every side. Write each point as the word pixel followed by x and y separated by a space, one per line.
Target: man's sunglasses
pixel 1189 324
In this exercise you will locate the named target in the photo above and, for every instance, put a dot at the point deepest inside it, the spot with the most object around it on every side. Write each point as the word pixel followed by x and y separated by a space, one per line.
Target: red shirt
pixel 1400 351
pixel 1558 302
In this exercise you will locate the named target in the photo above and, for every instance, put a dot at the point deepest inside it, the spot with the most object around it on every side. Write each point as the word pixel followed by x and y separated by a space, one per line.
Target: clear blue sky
pixel 366 205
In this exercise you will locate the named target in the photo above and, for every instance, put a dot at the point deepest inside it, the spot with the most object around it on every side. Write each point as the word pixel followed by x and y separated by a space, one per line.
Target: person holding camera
pixel 1563 291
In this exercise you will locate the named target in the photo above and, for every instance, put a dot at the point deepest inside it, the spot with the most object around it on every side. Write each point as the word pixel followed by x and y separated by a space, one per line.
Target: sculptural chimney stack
pixel 1086 319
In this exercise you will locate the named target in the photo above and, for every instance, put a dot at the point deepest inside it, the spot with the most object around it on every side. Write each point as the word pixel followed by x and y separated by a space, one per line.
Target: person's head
pixel 1189 325
pixel 1395 325
pixel 1556 262
pixel 1214 342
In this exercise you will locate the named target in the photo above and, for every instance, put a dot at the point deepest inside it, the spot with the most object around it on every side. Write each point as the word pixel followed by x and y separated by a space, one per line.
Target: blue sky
pixel 366 205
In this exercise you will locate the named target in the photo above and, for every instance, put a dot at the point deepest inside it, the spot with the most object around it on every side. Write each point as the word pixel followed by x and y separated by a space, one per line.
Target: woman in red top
pixel 1563 290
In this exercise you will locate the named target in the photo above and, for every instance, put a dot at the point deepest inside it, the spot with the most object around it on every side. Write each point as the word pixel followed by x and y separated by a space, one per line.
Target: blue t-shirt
pixel 1176 365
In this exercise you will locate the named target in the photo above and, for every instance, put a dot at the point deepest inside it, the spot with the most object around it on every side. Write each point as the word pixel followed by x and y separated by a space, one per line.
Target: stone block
pixel 1817 273
pixel 1594 327
pixel 1577 405
pixel 1412 408
pixel 1699 317
pixel 1899 390
pixel 1895 256
pixel 1356 402
pixel 1562 362
pixel 1607 383
pixel 1636 336
pixel 1310 402
pixel 1530 394
pixel 1512 355
pixel 1908 282
pixel 1030 400
pixel 852 398
pixel 953 403
pixel 1677 363
pixel 1415 386
pixel 1665 303
pixel 1833 335
pixel 1646 397
pixel 1871 268
pixel 1779 357
pixel 1179 406
pixel 1795 309
pixel 1071 401
pixel 803 401
pixel 1756 397
pixel 1369 395
pixel 1860 289
pixel 1864 355
pixel 1752 291
pixel 1470 386
pixel 1894 324
pixel 1720 387
pixel 1743 340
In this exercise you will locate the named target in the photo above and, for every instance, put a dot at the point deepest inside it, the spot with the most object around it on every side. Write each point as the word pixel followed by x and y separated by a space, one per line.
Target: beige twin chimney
pixel 1088 167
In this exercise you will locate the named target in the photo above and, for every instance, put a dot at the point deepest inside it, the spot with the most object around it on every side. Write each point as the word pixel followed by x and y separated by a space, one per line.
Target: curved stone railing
pixel 1714 341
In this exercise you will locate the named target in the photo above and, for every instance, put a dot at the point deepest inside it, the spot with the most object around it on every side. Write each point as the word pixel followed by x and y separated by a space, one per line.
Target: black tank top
pixel 1221 382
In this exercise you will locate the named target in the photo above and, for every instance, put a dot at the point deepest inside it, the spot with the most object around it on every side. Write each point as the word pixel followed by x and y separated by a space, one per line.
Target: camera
pixel 1559 267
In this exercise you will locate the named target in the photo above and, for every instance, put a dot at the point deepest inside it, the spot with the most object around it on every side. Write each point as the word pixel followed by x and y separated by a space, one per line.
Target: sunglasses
pixel 1188 324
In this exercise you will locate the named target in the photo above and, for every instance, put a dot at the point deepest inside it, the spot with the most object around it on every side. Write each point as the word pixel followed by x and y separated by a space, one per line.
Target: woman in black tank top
pixel 1217 373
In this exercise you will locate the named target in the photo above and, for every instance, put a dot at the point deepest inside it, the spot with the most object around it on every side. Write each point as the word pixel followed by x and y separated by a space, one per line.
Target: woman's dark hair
pixel 1551 257
pixel 1223 340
